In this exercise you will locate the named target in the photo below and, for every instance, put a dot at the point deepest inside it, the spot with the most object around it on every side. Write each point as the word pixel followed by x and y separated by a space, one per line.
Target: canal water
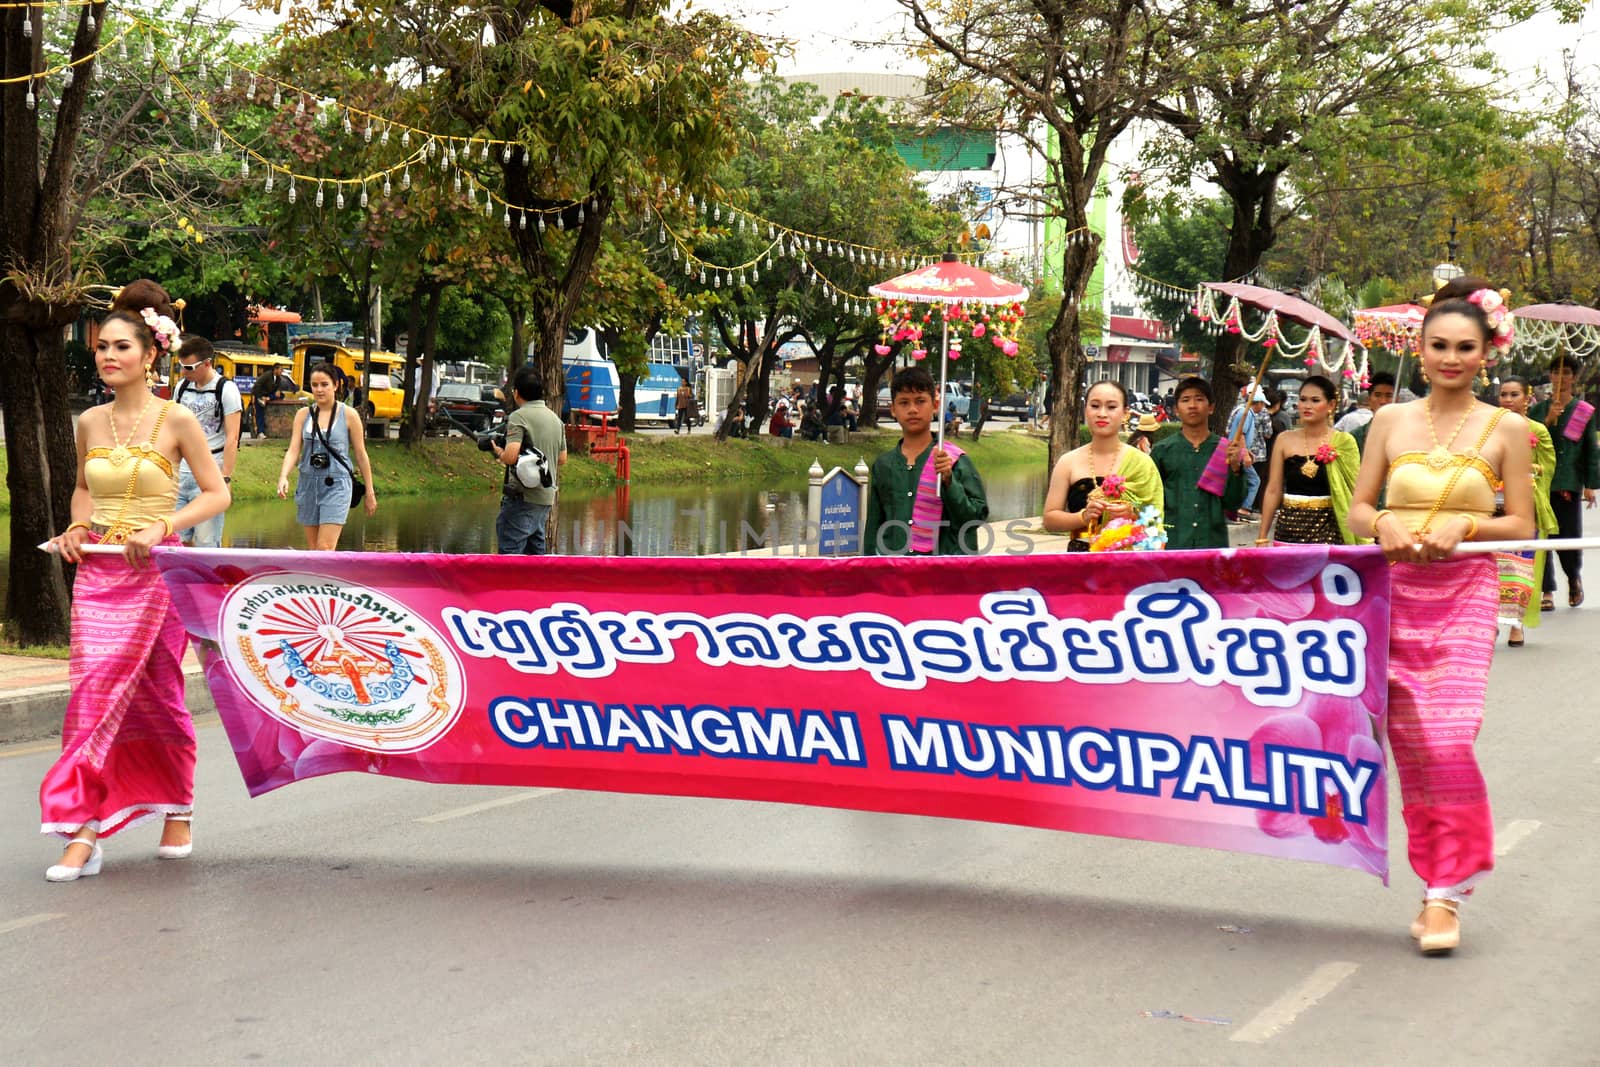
pixel 686 520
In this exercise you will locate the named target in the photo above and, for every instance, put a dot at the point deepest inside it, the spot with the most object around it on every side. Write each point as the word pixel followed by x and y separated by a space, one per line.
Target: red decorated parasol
pixel 963 294
pixel 950 281
pixel 1397 327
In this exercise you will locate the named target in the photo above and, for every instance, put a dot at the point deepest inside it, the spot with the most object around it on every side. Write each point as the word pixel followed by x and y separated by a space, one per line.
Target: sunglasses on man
pixel 186 367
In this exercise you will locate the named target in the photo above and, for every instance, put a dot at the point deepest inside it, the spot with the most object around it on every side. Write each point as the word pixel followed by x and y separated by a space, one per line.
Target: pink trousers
pixel 127 744
pixel 1441 641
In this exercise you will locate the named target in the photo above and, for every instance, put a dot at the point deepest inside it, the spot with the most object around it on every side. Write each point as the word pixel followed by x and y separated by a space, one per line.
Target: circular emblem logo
pixel 341 662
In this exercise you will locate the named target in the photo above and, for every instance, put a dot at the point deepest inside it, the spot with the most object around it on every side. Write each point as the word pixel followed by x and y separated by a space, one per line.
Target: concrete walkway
pixel 33 695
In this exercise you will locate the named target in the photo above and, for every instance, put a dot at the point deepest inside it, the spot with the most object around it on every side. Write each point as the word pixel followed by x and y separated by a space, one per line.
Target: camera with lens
pixel 489 438
pixel 321 460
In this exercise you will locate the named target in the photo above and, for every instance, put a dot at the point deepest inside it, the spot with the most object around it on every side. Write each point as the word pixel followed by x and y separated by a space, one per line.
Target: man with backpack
pixel 215 401
pixel 532 432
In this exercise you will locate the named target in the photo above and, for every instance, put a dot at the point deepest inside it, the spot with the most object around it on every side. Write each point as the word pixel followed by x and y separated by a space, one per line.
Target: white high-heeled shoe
pixel 177 852
pixel 91 867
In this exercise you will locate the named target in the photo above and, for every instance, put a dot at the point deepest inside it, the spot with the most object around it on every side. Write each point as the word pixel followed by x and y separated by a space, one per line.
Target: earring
pixel 1425 379
pixel 1483 377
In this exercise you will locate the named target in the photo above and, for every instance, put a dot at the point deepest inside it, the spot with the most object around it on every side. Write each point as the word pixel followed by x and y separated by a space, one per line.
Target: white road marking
pixel 1286 1009
pixel 30 920
pixel 488 805
pixel 1514 834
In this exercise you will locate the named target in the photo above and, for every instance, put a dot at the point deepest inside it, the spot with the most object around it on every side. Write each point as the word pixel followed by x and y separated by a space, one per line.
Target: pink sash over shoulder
pixel 927 510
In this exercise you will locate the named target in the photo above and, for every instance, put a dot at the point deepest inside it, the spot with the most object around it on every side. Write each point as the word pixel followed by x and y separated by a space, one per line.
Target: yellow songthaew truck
pixel 385 397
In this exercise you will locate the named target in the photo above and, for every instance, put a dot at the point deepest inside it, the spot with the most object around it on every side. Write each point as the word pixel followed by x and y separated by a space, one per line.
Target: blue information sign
pixel 841 516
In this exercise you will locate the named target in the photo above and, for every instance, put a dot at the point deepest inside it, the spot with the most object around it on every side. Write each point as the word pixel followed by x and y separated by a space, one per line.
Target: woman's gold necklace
pixel 119 453
pixel 1095 477
pixel 1094 465
pixel 1309 467
pixel 1440 456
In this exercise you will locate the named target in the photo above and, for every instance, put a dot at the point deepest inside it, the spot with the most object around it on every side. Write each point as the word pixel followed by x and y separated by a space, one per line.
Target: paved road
pixel 355 919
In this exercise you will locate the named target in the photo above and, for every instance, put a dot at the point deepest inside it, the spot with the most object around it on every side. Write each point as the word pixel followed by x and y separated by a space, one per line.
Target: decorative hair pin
pixel 1499 317
pixel 164 329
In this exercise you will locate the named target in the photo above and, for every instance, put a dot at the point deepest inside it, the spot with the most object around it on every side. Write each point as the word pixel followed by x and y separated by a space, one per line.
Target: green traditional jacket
pixel 1360 434
pixel 893 492
pixel 1577 462
pixel 1194 517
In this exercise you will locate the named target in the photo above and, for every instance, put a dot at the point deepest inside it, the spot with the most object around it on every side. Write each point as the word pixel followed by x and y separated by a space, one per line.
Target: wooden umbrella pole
pixel 1551 416
pixel 1261 372
pixel 944 374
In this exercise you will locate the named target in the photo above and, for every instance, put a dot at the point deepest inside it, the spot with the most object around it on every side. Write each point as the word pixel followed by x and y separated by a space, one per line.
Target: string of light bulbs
pixel 452 151
pixel 69 67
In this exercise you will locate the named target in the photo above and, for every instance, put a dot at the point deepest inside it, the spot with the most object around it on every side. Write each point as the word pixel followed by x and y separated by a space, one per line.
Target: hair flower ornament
pixel 164 329
pixel 1499 317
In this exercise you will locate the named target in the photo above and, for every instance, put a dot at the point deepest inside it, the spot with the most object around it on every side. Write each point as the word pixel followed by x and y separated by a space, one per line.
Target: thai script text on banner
pixel 1228 699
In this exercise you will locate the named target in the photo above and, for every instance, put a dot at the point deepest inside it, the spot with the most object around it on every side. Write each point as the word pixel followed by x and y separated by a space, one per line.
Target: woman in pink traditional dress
pixel 127 745
pixel 1440 458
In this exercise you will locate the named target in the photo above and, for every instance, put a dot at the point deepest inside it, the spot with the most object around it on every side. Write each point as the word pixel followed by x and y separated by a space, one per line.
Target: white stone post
pixel 813 528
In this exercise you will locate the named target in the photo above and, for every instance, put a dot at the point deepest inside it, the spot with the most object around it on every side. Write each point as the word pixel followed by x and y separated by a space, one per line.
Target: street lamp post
pixel 1449 269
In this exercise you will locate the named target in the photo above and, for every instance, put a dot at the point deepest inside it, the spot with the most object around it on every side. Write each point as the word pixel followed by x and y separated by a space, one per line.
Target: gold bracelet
pixel 165 522
pixel 1378 518
pixel 75 526
pixel 1472 527
pixel 1263 540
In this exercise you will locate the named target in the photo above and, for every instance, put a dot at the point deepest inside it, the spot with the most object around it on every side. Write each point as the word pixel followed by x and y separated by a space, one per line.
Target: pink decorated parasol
pixel 1275 307
pixel 965 296
pixel 1283 305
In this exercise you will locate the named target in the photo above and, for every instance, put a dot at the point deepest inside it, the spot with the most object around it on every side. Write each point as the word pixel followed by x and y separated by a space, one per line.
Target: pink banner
pixel 1228 699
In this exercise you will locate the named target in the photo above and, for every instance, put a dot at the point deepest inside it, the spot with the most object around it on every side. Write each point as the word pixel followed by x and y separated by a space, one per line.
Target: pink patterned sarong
pixel 1441 641
pixel 127 743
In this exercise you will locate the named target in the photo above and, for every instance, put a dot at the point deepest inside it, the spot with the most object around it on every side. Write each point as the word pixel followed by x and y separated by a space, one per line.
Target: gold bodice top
pixel 132 485
pixel 1423 485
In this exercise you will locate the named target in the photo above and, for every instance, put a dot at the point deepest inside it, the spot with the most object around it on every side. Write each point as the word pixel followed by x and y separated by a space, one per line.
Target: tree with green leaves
pixel 1068 79
pixel 1182 246
pixel 563 112
pixel 1271 84
pixel 91 162
pixel 825 208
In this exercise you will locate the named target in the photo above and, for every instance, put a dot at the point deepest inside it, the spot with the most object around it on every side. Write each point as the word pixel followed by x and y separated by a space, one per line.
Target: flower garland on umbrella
pixel 903 321
pixel 1389 332
pixel 1312 348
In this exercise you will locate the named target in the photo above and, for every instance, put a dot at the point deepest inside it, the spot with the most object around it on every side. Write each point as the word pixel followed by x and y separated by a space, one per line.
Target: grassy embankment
pixel 443 467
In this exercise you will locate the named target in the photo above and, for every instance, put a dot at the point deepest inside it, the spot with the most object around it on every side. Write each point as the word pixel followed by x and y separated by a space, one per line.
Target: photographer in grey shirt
pixel 519 528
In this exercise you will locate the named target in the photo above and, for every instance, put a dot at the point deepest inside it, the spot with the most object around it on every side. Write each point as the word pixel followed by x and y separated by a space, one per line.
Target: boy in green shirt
pixel 1195 517
pixel 910 508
